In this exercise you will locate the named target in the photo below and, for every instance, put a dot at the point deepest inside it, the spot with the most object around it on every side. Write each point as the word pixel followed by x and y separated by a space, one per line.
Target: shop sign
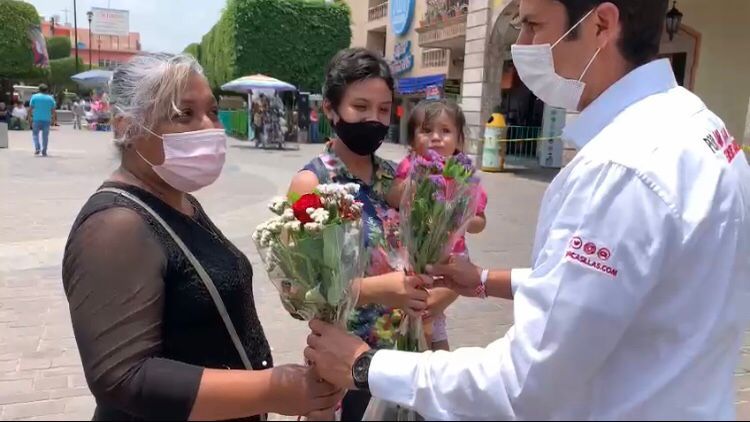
pixel 433 92
pixel 403 59
pixel 402 13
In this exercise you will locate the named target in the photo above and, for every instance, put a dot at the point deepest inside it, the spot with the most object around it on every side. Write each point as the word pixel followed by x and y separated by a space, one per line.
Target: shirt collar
pixel 378 166
pixel 649 79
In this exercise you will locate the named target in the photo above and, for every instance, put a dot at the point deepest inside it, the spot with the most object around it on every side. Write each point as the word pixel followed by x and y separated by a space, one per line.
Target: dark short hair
pixel 353 65
pixel 425 113
pixel 43 88
pixel 642 25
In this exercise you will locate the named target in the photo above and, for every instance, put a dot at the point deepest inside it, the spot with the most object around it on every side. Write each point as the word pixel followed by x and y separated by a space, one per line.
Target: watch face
pixel 361 369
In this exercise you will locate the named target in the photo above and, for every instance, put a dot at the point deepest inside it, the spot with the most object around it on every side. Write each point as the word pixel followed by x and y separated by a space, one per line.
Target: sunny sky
pixel 165 25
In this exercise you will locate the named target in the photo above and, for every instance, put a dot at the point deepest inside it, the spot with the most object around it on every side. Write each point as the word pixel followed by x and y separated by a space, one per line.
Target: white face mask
pixel 536 68
pixel 192 160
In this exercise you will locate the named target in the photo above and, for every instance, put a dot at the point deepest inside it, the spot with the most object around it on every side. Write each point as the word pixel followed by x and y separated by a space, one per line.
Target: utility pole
pixel 67 21
pixel 75 29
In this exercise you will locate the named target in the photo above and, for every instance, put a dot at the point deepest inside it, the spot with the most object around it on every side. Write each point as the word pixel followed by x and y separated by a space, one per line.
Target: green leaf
pixel 293 197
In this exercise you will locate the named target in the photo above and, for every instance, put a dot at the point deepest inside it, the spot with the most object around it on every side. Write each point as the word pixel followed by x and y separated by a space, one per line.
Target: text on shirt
pixel 592 257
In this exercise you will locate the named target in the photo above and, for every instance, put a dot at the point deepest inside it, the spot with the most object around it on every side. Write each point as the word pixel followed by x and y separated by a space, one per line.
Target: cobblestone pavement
pixel 40 372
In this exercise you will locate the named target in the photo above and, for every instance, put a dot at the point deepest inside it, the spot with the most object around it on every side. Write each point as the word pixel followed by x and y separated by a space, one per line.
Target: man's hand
pixel 299 391
pixel 332 352
pixel 459 275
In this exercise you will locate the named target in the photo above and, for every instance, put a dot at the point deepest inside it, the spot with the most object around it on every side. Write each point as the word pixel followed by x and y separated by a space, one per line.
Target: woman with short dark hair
pixel 358 99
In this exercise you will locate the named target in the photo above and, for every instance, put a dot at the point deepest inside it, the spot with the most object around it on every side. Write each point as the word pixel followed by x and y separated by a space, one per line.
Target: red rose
pixel 300 207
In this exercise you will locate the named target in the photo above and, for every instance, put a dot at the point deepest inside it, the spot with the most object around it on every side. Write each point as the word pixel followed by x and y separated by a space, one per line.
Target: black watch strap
pixel 361 370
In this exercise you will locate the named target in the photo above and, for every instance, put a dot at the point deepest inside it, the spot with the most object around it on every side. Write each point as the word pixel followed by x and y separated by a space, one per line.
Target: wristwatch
pixel 361 370
pixel 482 287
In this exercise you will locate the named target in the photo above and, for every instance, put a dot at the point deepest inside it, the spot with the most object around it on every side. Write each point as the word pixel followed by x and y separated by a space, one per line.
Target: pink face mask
pixel 192 160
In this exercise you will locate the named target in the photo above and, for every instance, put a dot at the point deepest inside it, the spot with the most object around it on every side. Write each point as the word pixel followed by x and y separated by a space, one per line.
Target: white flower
pixel 278 205
pixel 352 188
pixel 293 226
pixel 313 227
pixel 320 215
pixel 288 214
pixel 310 211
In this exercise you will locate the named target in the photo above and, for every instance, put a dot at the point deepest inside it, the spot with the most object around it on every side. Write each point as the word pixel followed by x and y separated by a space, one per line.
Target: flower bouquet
pixel 439 200
pixel 313 250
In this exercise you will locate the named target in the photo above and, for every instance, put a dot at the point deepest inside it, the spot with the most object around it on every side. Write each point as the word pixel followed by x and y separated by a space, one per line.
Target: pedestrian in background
pixel 314 124
pixel 19 117
pixel 42 108
pixel 78 114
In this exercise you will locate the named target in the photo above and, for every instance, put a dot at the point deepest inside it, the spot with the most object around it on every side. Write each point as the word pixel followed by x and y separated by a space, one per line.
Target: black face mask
pixel 362 138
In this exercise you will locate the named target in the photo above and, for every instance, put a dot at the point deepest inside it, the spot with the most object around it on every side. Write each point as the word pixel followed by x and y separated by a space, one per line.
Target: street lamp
pixel 52 25
pixel 674 19
pixel 90 15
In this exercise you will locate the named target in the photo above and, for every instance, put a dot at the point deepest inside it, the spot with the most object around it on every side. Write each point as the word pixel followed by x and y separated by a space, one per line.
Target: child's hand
pixel 396 193
pixel 477 224
pixel 439 299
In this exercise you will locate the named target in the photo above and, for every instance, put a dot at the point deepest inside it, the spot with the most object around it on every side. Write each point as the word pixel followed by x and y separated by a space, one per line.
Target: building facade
pixel 104 51
pixel 461 49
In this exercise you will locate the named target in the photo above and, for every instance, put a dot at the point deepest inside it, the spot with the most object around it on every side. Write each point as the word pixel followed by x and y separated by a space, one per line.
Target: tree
pixel 292 40
pixel 194 50
pixel 16 56
pixel 58 47
pixel 60 71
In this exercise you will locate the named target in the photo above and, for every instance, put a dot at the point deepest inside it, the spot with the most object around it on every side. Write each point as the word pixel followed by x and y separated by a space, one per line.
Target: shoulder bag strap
pixel 210 286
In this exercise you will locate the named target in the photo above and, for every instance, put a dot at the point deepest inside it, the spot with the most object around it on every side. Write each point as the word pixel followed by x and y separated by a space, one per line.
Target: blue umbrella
pixel 246 84
pixel 93 78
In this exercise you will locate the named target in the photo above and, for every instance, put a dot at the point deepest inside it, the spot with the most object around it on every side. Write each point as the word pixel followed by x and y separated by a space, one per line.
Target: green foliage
pixel 218 50
pixel 194 50
pixel 291 40
pixel 16 57
pixel 60 72
pixel 58 47
pixel 58 76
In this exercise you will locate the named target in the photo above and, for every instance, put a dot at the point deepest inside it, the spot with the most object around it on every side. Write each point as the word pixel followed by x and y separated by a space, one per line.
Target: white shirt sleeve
pixel 604 253
pixel 518 276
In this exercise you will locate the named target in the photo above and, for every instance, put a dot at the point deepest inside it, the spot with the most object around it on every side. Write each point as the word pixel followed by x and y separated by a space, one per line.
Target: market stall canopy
pixel 246 84
pixel 96 78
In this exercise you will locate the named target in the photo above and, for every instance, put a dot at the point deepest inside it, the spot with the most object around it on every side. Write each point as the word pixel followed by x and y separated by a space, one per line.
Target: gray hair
pixel 147 89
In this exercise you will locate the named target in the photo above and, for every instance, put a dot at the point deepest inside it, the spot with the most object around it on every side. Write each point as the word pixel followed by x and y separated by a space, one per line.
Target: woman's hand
pixel 396 290
pixel 296 390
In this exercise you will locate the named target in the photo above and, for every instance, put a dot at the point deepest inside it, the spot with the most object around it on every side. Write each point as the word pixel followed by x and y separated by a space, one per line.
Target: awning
pixel 409 86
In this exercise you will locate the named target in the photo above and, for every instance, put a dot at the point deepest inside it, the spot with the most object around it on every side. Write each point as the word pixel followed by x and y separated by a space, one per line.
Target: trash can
pixel 493 150
pixel 3 135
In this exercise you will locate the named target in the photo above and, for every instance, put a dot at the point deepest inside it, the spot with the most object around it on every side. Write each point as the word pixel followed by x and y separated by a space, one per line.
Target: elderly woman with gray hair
pixel 161 302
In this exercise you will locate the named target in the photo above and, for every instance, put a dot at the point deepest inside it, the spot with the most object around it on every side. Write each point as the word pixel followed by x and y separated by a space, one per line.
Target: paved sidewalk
pixel 40 373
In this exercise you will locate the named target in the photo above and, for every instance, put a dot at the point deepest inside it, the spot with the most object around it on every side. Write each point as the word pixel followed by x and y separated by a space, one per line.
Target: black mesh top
pixel 144 322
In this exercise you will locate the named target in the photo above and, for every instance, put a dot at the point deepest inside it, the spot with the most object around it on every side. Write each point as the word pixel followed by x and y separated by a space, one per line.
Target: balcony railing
pixel 444 24
pixel 378 12
pixel 447 34
pixel 441 10
pixel 435 58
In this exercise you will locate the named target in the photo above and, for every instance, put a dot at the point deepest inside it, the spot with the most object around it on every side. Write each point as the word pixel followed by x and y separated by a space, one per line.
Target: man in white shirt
pixel 638 295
